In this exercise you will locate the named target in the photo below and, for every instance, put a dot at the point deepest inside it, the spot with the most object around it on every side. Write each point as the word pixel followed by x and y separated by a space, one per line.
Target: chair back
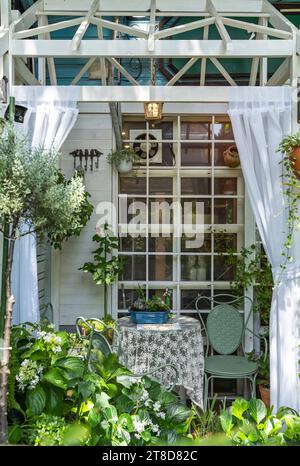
pixel 225 328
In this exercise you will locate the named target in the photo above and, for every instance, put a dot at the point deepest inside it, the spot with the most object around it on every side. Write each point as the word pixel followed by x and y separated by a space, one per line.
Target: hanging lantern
pixel 153 111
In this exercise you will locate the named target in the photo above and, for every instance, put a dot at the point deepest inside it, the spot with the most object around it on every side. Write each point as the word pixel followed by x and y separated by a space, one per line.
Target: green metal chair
pixel 225 332
pixel 98 341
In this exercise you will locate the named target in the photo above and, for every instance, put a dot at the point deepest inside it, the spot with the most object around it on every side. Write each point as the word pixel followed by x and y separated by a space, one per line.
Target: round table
pixel 143 348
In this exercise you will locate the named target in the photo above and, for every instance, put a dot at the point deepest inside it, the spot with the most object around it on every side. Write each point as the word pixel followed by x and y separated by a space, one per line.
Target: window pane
pixel 166 128
pixel 128 125
pixel 129 244
pixel 225 241
pixel 132 185
pixel 161 268
pixel 192 208
pixel 161 185
pixel 199 243
pixel 222 271
pixel 225 211
pixel 196 268
pixel 223 129
pixel 189 297
pixel 161 244
pixel 135 268
pixel 195 130
pixel 196 186
pixel 160 211
pixel 226 186
pixel 133 208
pixel 193 155
pixel 126 298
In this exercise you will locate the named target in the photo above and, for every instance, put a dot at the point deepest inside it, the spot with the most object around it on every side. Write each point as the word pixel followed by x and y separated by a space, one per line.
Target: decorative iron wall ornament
pixel 85 157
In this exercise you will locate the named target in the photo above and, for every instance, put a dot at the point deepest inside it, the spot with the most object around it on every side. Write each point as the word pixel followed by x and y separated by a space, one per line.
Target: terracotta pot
pixel 231 157
pixel 295 157
pixel 264 394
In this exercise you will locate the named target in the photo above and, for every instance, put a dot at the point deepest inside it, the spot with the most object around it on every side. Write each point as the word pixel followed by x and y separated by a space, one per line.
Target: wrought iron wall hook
pixel 86 155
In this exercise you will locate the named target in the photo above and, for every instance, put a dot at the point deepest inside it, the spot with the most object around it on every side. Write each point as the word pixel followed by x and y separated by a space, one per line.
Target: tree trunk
pixel 4 372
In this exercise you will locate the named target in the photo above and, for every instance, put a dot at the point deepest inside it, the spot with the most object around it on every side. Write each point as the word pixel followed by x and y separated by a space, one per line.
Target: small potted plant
pixel 122 160
pixel 152 311
pixel 290 146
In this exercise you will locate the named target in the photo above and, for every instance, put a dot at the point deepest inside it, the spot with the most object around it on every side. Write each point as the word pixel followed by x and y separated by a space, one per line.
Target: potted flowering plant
pixel 152 311
pixel 290 146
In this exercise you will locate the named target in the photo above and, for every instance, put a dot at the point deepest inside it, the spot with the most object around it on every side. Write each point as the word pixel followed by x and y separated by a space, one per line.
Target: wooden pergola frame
pixel 29 36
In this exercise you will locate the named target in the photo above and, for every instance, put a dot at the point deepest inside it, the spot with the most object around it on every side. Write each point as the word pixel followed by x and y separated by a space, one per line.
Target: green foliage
pixel 252 269
pixel 56 238
pixel 106 266
pixel 72 402
pixel 156 303
pixel 206 423
pixel 289 143
pixel 251 423
pixel 30 189
pixel 128 155
pixel 291 191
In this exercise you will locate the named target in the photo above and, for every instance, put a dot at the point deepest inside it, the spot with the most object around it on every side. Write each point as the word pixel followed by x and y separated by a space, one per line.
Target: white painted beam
pixel 281 75
pixel 192 6
pixel 4 41
pixel 25 74
pixel 83 71
pixel 223 71
pixel 185 14
pixel 29 17
pixel 102 59
pixel 204 60
pixel 84 26
pixel 182 71
pixel 41 60
pixel 123 71
pixel 50 60
pixel 184 28
pixel 220 26
pixel 254 71
pixel 251 27
pixel 47 29
pixel 5 12
pixel 163 49
pixel 151 41
pixel 276 19
pixel 119 27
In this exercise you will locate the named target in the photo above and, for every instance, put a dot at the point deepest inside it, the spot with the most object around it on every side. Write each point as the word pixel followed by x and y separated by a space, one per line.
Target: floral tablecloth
pixel 144 348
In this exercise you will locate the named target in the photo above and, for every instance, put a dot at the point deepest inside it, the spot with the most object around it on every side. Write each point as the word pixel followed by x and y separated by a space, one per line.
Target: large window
pixel 181 175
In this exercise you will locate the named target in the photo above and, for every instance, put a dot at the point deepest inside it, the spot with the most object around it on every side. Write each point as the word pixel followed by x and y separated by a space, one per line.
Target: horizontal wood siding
pixel 78 295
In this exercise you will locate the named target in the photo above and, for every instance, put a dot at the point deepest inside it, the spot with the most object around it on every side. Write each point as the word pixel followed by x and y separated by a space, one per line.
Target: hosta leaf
pixel 257 410
pixel 94 418
pixel 14 434
pixel 54 400
pixel 56 377
pixel 178 412
pixel 102 400
pixel 35 400
pixel 73 367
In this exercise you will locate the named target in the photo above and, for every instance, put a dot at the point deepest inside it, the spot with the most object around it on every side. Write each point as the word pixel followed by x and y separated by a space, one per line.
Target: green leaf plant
pixel 107 266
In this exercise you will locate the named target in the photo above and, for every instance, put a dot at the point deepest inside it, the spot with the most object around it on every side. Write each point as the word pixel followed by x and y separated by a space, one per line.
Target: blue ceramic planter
pixel 148 317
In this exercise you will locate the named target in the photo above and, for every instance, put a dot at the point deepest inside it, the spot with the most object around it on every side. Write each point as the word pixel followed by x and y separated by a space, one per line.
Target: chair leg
pixel 253 379
pixel 205 392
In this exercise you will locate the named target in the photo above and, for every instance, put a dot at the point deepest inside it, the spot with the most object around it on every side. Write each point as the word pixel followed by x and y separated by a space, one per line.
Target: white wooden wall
pixel 78 295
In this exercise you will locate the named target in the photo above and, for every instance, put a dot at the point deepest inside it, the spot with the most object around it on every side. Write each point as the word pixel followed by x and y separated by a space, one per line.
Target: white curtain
pixel 260 118
pixel 52 112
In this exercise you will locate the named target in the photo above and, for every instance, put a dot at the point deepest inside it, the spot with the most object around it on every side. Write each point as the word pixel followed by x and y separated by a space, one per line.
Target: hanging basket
pixel 231 157
pixel 295 159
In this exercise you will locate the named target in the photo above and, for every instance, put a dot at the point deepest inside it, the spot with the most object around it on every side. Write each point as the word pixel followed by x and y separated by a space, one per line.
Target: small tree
pixel 32 199
pixel 106 266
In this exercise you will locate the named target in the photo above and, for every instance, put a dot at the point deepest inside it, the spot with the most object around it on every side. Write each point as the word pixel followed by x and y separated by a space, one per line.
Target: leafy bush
pixel 251 423
pixel 57 398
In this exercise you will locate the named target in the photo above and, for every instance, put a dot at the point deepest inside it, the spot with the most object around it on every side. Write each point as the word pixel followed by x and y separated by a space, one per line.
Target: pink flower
pixel 100 231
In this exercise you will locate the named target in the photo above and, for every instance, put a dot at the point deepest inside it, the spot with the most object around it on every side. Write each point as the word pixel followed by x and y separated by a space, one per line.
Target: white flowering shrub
pixel 60 399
